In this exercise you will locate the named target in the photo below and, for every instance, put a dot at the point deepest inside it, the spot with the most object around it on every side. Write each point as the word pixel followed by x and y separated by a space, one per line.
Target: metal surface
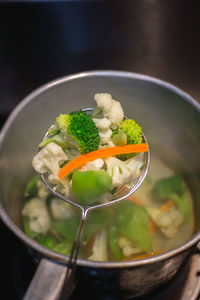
pixel 171 121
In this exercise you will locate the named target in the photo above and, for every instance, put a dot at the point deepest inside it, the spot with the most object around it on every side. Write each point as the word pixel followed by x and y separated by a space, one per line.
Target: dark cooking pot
pixel 171 121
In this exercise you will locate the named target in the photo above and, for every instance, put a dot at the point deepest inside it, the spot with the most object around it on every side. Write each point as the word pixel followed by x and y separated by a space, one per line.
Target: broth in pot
pixel 156 219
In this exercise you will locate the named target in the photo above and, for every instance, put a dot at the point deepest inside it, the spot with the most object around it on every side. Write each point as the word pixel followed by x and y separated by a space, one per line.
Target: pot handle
pixel 47 282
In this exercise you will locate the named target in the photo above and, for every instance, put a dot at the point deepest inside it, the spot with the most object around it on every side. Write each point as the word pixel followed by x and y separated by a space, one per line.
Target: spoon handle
pixel 68 282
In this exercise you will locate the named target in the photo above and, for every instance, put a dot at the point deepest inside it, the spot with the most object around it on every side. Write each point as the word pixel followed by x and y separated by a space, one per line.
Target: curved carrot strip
pixel 100 153
pixel 166 206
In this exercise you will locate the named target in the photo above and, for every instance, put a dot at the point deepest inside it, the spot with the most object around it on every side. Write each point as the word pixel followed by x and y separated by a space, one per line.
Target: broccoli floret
pixel 132 130
pixel 173 188
pixel 80 130
pixel 128 132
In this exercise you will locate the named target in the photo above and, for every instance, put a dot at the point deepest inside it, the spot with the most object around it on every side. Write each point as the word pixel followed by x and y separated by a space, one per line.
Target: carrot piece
pixel 135 200
pixel 145 255
pixel 100 153
pixel 152 226
pixel 166 206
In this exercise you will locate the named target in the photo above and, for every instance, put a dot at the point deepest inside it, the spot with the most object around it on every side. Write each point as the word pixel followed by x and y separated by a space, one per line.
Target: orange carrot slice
pixel 146 255
pixel 100 153
pixel 135 200
pixel 152 226
pixel 166 206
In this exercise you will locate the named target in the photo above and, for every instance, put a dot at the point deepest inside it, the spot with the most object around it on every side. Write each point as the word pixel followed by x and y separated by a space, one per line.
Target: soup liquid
pixel 159 170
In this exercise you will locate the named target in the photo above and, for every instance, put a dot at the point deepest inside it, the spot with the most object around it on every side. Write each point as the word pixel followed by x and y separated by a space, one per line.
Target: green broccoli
pixel 80 131
pixel 173 188
pixel 128 132
pixel 132 130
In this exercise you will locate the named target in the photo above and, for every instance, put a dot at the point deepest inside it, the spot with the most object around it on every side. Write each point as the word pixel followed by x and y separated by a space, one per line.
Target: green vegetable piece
pixel 133 134
pixel 173 188
pixel 31 187
pixel 46 241
pixel 120 138
pixel 132 221
pixel 63 247
pixel 27 229
pixel 58 139
pixel 113 243
pixel 96 220
pixel 89 185
pixel 132 130
pixel 67 228
pixel 80 131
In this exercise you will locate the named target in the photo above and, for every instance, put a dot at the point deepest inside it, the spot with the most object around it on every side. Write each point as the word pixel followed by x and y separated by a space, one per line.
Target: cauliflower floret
pixel 94 165
pixel 102 124
pixel 105 132
pixel 105 136
pixel 42 190
pixel 135 163
pixel 36 211
pixel 111 108
pixel 61 210
pixel 167 221
pixel 118 170
pixel 99 249
pixel 127 246
pixel 48 160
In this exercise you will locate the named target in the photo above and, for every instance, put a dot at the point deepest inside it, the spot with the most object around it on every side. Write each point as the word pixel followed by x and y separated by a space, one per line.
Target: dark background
pixel 43 40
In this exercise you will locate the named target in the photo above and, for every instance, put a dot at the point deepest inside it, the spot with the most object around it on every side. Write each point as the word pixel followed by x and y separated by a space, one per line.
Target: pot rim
pixel 83 262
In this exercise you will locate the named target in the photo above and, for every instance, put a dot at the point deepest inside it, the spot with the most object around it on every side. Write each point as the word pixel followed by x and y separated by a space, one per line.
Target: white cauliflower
pixel 118 171
pixel 111 108
pixel 61 210
pixel 105 136
pixel 94 165
pixel 42 190
pixel 135 163
pixel 102 124
pixel 127 246
pixel 37 212
pixel 167 221
pixel 99 249
pixel 48 160
pixel 105 132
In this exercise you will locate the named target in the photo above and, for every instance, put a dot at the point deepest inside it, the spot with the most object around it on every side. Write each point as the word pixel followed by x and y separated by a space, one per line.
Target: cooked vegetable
pixel 96 220
pixel 168 221
pixel 89 185
pixel 121 171
pixel 61 210
pixel 166 206
pixel 128 132
pixel 99 249
pixel 111 108
pixel 37 213
pixel 132 131
pixel 58 139
pixel 31 187
pixel 80 131
pixel 48 159
pixel 174 189
pixel 100 153
pixel 119 138
pixel 132 221
pixel 113 243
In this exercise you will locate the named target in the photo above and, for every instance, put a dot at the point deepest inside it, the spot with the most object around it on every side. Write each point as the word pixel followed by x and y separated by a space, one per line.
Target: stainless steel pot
pixel 170 119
